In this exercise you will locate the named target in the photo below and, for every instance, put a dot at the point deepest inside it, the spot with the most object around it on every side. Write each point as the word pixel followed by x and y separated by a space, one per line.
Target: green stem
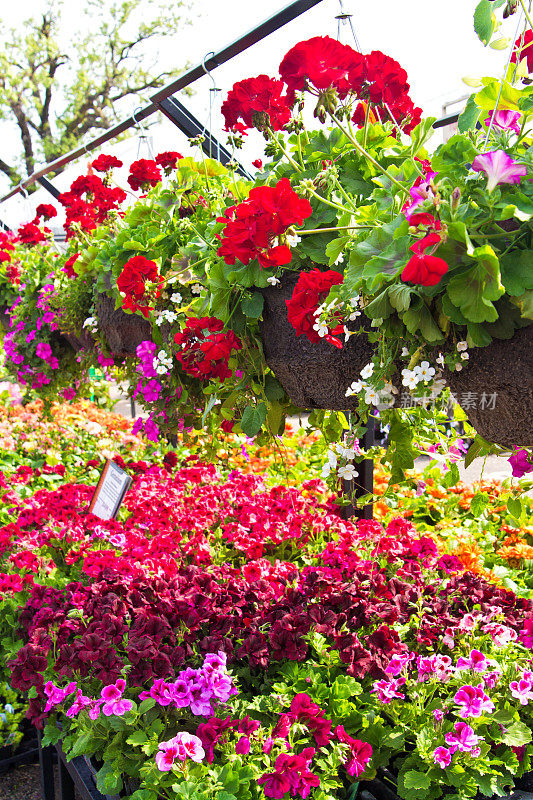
pixel 330 202
pixel 526 14
pixel 300 154
pixel 289 158
pixel 332 230
pixel 367 155
pixel 344 193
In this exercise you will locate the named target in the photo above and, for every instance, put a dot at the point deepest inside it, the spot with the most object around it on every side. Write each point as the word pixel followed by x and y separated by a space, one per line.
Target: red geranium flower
pixel 205 348
pixel 525 41
pixel 168 160
pixel 144 173
pixel 252 227
pixel 321 62
pixel 426 270
pixel 132 282
pixel 4 257
pixel 46 211
pixel 104 163
pixel 30 234
pixel 88 212
pixel 258 163
pixel 310 290
pixel 69 263
pixel 258 102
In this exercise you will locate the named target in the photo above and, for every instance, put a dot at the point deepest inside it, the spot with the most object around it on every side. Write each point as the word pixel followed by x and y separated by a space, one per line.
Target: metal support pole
pixel 364 483
pixel 187 122
pixel 49 186
pixel 46 763
pixel 67 789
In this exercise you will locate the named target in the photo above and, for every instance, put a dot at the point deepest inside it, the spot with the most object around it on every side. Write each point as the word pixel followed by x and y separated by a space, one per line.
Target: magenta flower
pixel 464 738
pixel 476 661
pixel 442 756
pixel 505 120
pixel 520 463
pixel 473 701
pixel 80 702
pixel 114 704
pixel 44 351
pixel 499 168
pixel 387 690
pixel 526 634
pixel 438 715
pixel 397 663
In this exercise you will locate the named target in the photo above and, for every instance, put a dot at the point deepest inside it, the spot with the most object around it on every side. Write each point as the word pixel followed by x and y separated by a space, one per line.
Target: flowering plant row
pixel 116 629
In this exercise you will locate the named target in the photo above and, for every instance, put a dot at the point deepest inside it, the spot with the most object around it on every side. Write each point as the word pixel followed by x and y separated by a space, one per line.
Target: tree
pixel 56 92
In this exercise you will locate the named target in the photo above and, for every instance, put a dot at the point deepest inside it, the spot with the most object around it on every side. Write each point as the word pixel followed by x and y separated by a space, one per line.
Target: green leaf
pixel 400 296
pixel 514 506
pixel 517 735
pixel 517 271
pixel 252 305
pixel 419 318
pixel 253 419
pixel 81 745
pixel 137 738
pixel 484 21
pixel 474 290
pixel 416 780
pixel 452 477
pixel 452 158
pixel 525 304
pixel 146 705
pixel 379 308
pixel 315 246
pixel 335 248
pixel 273 388
pixel 505 95
pixel 479 503
pixel 477 335
pixel 469 116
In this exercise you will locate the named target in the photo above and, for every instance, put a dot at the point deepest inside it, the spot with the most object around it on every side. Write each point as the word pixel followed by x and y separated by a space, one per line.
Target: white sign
pixel 110 491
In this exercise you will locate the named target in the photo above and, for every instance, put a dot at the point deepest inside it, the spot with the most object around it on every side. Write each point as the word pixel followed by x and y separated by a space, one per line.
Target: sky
pixel 433 40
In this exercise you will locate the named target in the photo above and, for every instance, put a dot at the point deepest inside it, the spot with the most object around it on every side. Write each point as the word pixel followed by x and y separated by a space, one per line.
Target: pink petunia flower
pixel 499 168
pixel 504 119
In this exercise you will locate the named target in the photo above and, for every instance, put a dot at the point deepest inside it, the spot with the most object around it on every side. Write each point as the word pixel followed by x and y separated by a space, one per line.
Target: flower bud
pixel 456 196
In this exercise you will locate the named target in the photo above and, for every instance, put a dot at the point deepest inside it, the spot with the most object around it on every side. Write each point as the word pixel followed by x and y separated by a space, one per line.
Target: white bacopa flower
pixel 440 359
pixel 389 388
pixel 326 469
pixel 410 380
pixel 176 298
pixel 339 259
pixel 462 346
pixel 196 289
pixel 348 453
pixel 465 356
pixel 273 281
pixel 458 367
pixel 354 388
pixel 405 352
pixel 90 322
pixel 353 316
pixel 372 398
pixel 347 334
pixel 347 472
pixel 161 369
pixel 321 329
pixel 367 371
pixel 292 240
pixel 425 372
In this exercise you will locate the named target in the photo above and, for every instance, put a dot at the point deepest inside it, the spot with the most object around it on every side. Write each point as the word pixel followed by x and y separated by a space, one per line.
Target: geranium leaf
pixel 453 158
pixel 253 418
pixel 525 304
pixel 252 305
pixel 517 735
pixel 517 271
pixel 416 780
pixel 484 21
pixel 469 116
pixel 474 290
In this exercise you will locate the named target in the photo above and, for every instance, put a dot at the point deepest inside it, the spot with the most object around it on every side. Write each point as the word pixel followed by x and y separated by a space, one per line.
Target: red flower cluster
pixel 144 173
pixel 168 160
pixel 258 102
pixel 105 163
pixel 253 227
pixel 69 264
pixel 31 234
pixel 422 268
pixel 88 203
pixel 525 42
pixel 132 282
pixel 311 288
pixel 322 64
pixel 4 257
pixel 44 210
pixel 7 240
pixel 205 349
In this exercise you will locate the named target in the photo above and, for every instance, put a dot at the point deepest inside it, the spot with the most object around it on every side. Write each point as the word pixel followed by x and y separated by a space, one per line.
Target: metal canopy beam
pixel 272 24
pixel 189 125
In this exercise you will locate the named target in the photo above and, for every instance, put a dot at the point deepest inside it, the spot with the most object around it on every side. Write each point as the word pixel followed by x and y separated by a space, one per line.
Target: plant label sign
pixel 110 491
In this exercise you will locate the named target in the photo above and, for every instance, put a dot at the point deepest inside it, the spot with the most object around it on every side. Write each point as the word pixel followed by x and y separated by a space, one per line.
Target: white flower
pixel 90 322
pixel 339 259
pixel 196 289
pixel 367 371
pixel 348 472
pixel 321 328
pixel 161 369
pixel 354 315
pixel 425 372
pixel 440 360
pixel 176 298
pixel 405 352
pixel 348 453
pixel 332 458
pixel 354 388
pixel 462 346
pixel 458 367
pixel 292 240
pixel 465 356
pixel 389 388
pixel 372 398
pixel 273 281
pixel 326 469
pixel 347 334
pixel 410 379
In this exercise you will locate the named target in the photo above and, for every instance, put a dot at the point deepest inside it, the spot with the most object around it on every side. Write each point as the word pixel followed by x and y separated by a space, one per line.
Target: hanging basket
pixel 123 332
pixel 495 389
pixel 313 375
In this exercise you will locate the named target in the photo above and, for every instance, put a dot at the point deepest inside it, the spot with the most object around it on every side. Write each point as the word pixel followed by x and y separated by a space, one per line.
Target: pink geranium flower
pixel 114 704
pixel 499 168
pixel 442 756
pixel 473 701
pixel 476 661
pixel 463 739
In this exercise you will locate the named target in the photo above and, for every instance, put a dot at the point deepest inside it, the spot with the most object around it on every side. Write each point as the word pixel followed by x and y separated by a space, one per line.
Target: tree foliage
pixel 57 88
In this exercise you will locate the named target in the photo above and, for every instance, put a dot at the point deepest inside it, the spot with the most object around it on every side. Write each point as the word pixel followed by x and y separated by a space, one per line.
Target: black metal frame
pixel 75 776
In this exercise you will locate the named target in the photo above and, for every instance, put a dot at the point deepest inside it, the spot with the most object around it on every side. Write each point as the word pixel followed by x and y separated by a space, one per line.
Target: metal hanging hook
pixel 342 18
pixel 212 92
pixel 143 133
